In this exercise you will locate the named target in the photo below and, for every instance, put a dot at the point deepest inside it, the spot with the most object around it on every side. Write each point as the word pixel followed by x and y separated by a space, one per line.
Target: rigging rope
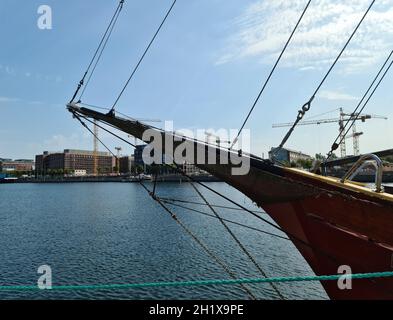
pixel 110 132
pixel 198 241
pixel 270 75
pixel 102 45
pixel 203 204
pixel 356 114
pixel 292 236
pixel 161 130
pixel 236 239
pixel 131 144
pixel 227 220
pixel 99 57
pixel 95 136
pixel 306 107
pixel 355 276
pixel 143 56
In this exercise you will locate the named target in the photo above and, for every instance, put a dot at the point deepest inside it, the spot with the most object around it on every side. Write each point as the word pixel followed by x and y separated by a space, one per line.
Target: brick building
pixel 287 155
pixel 8 165
pixel 71 160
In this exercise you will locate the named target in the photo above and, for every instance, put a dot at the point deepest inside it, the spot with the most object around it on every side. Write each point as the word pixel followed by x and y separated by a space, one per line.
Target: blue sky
pixel 204 70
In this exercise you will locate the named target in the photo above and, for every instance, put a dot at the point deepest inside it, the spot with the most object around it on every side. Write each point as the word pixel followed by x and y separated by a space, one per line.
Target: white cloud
pixel 263 28
pixel 12 71
pixel 336 96
pixel 59 142
pixel 36 103
pixel 22 102
pixel 8 99
pixel 81 139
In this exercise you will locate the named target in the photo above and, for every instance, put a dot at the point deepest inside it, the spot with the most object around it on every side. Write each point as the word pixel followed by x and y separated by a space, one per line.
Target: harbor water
pixel 114 233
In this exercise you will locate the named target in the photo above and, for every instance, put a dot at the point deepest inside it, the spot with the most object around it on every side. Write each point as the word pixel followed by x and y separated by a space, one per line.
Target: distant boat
pixel 8 180
pixel 143 176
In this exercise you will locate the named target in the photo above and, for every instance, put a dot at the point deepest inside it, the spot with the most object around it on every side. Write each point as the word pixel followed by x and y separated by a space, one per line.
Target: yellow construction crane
pixel 343 118
pixel 118 149
pixel 95 149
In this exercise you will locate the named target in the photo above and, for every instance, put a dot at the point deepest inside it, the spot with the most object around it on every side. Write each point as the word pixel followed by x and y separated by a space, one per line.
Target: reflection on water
pixel 105 233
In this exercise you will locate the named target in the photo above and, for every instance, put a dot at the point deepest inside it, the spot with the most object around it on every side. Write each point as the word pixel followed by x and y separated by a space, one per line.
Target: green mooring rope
pixel 208 282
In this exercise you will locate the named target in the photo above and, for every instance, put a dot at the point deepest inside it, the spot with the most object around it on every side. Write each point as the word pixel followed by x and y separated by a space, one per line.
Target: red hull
pixel 329 226
pixel 335 247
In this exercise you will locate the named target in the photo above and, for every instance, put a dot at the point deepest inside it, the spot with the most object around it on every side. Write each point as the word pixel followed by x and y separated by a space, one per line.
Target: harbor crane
pixel 118 149
pixel 355 138
pixel 343 118
pixel 95 149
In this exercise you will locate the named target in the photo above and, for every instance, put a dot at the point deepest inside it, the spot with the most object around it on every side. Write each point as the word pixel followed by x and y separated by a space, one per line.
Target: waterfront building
pixel 8 165
pixel 191 169
pixel 288 155
pixel 188 168
pixel 138 156
pixel 80 173
pixel 71 161
pixel 138 159
pixel 126 164
pixel 139 163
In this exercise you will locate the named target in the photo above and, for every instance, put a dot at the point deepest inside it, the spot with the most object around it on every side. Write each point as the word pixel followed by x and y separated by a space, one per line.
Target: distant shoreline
pixel 166 178
pixel 365 178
